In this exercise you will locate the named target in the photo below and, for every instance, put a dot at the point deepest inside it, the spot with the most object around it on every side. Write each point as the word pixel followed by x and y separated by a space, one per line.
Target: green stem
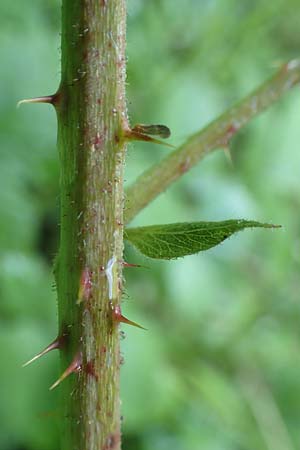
pixel 216 135
pixel 91 117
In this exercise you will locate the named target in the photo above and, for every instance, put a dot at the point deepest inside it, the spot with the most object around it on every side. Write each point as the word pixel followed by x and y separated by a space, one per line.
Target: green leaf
pixel 156 130
pixel 175 240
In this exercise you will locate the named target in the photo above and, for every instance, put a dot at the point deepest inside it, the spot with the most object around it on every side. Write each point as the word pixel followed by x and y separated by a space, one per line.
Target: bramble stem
pixel 216 135
pixel 91 117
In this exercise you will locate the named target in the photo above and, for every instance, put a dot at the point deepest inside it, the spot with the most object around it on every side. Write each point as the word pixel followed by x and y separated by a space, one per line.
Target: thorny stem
pixel 216 135
pixel 91 112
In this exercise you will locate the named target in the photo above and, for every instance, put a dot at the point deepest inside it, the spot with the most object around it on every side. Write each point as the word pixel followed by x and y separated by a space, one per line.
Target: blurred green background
pixel 219 367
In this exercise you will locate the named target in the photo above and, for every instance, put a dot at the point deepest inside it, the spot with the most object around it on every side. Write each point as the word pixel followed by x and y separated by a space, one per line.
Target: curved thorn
pixel 52 346
pixel 126 264
pixel 75 366
pixel 228 156
pixel 124 319
pixel 44 99
pixel 118 317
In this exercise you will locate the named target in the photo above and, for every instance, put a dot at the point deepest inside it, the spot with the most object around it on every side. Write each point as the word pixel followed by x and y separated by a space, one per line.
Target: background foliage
pixel 219 366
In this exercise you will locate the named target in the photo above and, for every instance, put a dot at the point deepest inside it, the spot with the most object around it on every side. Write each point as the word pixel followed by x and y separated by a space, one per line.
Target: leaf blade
pixel 181 239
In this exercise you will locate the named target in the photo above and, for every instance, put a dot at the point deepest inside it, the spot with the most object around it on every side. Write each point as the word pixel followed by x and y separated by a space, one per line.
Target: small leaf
pixel 156 130
pixel 180 239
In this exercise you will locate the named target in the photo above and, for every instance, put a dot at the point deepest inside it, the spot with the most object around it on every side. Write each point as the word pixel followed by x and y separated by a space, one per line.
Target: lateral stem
pixel 216 135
